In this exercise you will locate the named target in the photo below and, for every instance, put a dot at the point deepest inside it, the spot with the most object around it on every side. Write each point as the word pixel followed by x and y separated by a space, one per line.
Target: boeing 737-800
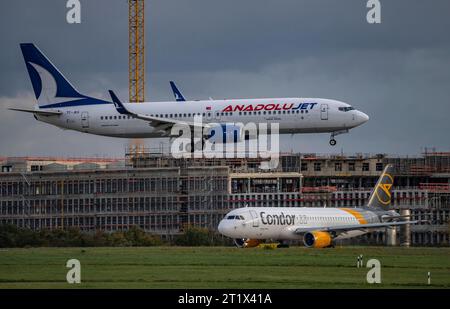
pixel 317 227
pixel 60 104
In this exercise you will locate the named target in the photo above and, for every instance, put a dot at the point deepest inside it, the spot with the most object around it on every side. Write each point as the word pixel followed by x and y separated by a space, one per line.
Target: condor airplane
pixel 317 227
pixel 60 104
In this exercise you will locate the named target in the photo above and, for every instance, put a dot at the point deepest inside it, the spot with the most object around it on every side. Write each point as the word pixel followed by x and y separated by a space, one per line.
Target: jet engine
pixel 224 134
pixel 229 133
pixel 246 243
pixel 317 239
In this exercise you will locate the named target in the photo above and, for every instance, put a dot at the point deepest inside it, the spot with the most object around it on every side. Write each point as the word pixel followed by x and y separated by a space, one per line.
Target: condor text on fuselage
pixel 277 219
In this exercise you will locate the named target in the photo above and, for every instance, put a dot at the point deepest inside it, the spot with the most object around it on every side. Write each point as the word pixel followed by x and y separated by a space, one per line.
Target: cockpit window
pixel 346 108
pixel 235 218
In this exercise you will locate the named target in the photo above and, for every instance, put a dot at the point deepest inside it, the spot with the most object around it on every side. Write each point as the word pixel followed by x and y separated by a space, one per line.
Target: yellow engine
pixel 317 239
pixel 246 243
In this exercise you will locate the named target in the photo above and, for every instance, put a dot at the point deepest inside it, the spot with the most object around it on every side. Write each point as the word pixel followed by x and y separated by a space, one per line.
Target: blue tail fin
pixel 178 96
pixel 50 87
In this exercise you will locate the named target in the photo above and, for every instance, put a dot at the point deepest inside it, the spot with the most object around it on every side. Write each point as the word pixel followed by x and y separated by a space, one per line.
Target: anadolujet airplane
pixel 317 227
pixel 60 104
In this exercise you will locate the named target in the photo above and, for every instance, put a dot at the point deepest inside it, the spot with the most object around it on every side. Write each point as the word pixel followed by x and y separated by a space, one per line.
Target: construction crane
pixel 136 61
pixel 136 50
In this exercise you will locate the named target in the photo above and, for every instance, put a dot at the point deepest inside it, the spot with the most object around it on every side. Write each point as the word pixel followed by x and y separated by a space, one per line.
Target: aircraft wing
pixel 162 124
pixel 37 112
pixel 344 228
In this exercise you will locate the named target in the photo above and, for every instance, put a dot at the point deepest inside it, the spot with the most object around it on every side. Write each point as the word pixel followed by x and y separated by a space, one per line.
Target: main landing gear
pixel 335 133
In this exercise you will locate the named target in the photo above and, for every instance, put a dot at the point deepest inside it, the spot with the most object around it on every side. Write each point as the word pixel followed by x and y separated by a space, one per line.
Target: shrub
pixel 196 236
pixel 11 236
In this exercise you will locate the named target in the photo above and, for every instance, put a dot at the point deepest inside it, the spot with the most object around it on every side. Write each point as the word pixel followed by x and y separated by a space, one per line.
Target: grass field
pixel 219 267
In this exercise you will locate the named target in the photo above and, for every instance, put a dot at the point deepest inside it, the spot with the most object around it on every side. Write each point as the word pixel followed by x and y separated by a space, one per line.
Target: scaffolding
pixel 136 50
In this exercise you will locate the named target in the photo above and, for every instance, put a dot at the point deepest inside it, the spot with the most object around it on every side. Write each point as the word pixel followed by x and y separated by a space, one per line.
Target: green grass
pixel 219 267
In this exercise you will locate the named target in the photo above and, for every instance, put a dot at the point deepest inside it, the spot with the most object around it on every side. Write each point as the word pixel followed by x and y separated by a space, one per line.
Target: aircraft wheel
pixel 333 142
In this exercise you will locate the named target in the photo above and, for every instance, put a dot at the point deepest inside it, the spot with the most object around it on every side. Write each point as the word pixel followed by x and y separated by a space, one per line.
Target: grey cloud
pixel 397 72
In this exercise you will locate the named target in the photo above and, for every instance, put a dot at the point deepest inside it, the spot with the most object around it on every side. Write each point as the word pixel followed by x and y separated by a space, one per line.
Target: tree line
pixel 12 236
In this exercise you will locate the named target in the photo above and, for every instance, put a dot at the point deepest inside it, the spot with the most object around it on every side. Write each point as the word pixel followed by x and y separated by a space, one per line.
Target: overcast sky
pixel 398 72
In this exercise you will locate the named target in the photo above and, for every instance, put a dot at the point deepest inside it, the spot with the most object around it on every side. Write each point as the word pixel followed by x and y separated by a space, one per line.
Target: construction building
pixel 163 195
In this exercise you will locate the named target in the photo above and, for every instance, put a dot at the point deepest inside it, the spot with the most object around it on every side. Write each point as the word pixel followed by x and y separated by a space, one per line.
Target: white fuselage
pixel 294 115
pixel 280 223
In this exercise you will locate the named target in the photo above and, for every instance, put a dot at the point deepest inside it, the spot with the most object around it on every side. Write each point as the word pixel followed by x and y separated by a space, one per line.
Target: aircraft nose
pixel 221 227
pixel 362 117
pixel 226 228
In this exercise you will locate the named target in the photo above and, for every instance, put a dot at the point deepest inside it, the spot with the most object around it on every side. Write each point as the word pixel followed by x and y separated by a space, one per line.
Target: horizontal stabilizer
pixel 37 112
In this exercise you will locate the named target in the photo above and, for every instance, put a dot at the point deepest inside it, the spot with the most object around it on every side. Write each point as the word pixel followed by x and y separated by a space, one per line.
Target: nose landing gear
pixel 335 133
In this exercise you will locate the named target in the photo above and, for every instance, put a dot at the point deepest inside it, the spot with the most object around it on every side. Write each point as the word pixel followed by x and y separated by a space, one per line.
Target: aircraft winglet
pixel 119 106
pixel 178 96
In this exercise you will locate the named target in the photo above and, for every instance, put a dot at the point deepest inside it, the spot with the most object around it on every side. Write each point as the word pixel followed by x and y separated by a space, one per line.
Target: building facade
pixel 163 195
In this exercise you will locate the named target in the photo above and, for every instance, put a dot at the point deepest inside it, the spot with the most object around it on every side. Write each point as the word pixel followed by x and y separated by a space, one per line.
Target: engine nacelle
pixel 246 243
pixel 229 133
pixel 224 134
pixel 317 239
